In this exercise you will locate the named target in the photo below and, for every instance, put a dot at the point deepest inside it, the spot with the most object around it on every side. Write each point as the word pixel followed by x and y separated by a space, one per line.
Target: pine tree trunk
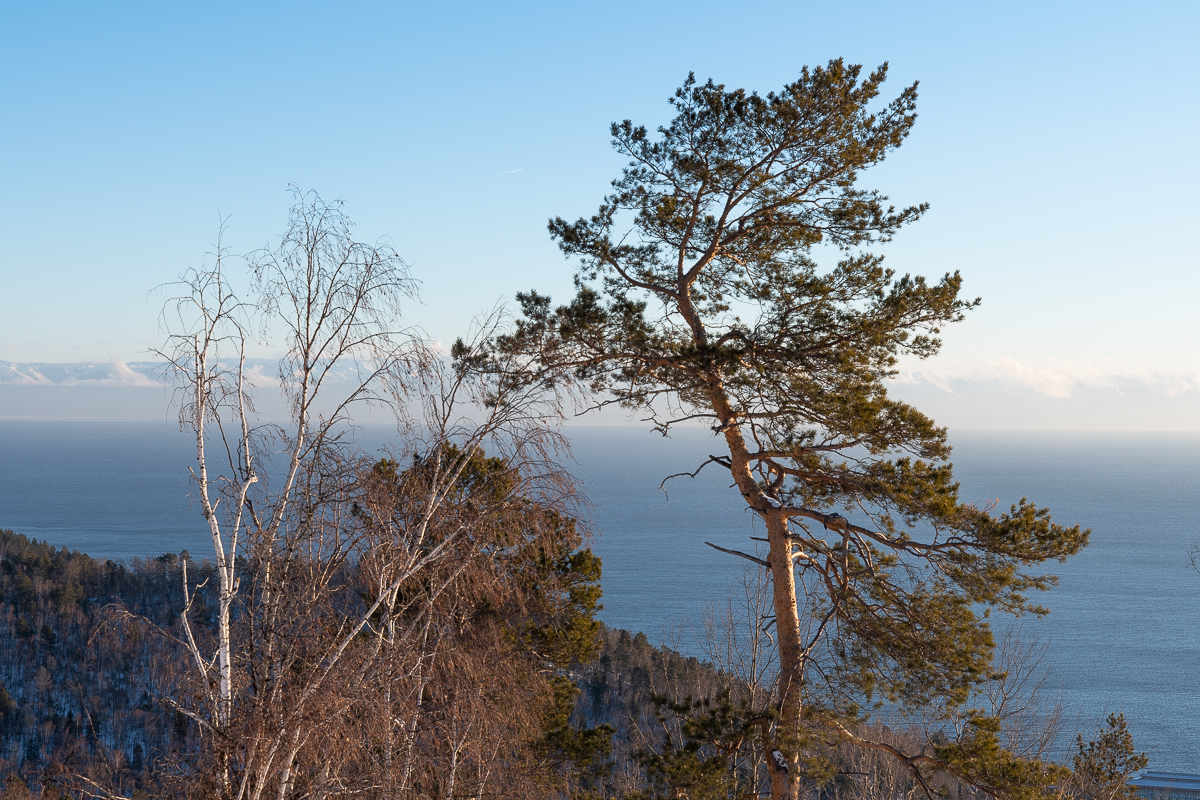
pixel 787 627
pixel 787 620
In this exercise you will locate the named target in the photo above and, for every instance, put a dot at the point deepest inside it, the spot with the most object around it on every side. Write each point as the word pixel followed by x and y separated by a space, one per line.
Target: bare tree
pixel 334 301
pixel 1031 720
pixel 310 607
pixel 737 640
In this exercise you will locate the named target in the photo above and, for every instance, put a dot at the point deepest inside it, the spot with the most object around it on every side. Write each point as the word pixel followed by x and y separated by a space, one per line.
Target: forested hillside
pixel 88 665
pixel 80 686
pixel 91 670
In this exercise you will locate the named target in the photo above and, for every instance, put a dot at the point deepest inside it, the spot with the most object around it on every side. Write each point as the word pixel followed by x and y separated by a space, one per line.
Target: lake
pixel 1123 633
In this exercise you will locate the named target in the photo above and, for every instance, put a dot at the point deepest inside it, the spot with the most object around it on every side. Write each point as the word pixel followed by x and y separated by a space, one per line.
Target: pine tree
pixel 701 297
pixel 1102 768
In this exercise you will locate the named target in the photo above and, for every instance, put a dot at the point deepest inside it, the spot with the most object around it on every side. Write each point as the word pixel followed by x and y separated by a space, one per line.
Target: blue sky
pixel 1056 144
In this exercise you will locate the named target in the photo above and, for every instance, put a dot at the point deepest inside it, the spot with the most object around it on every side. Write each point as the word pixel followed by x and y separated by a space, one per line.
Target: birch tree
pixel 704 295
pixel 298 637
pixel 334 302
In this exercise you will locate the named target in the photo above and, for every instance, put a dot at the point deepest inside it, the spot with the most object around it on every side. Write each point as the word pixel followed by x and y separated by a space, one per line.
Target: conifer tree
pixel 1103 767
pixel 702 295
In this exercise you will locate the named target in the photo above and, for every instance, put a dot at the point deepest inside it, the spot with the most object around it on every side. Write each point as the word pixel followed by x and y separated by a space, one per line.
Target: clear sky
pixel 1057 144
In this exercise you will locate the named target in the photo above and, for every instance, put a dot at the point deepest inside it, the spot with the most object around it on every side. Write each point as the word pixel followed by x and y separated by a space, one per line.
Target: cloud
pixel 124 375
pixel 1006 393
pixel 262 373
pixel 115 373
pixel 1052 378
pixel 139 390
pixel 22 374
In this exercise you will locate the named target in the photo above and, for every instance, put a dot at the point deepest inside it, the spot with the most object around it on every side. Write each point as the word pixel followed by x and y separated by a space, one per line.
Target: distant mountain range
pixel 1005 395
pixel 117 373
pixel 87 373
pixel 119 390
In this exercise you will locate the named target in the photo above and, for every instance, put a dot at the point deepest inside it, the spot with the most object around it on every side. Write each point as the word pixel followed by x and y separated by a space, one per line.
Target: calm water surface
pixel 1123 633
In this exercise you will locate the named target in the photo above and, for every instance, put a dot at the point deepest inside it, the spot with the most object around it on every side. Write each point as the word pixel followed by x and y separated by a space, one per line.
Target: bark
pixel 787 624
pixel 787 620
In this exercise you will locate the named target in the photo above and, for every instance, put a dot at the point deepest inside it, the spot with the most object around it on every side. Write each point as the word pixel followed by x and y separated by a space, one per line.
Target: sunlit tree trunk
pixel 787 619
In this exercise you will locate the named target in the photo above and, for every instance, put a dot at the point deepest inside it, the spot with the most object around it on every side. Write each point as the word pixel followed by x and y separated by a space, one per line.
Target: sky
pixel 1056 144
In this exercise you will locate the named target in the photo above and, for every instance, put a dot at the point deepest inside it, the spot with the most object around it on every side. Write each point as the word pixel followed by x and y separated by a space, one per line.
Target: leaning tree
pixel 700 296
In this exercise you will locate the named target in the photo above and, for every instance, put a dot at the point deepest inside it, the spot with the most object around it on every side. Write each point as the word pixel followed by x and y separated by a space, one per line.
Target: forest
pixel 88 666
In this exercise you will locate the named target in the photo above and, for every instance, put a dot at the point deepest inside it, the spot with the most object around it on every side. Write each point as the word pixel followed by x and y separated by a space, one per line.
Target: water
pixel 1123 633
pixel 109 489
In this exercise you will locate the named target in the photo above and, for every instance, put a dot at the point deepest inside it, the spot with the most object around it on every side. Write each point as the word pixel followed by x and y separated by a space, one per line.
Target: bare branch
pixel 746 556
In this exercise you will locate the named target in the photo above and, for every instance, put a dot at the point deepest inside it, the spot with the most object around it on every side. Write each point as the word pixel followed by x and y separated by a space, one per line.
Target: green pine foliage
pixel 978 759
pixel 704 292
pixel 701 763
pixel 1102 768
